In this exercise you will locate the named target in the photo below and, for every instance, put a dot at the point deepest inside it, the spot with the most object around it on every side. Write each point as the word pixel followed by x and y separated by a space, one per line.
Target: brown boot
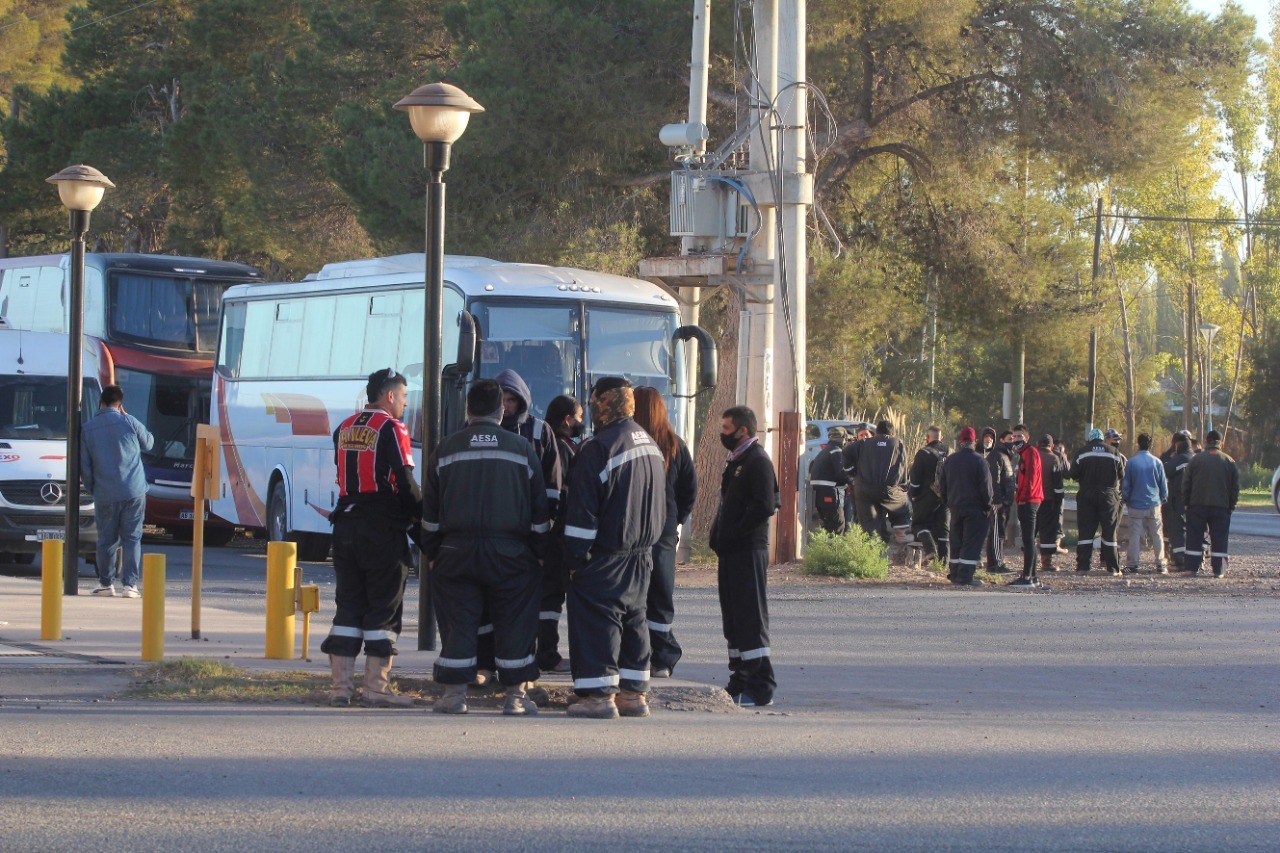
pixel 377 685
pixel 454 700
pixel 594 708
pixel 1046 561
pixel 516 704
pixel 344 680
pixel 632 704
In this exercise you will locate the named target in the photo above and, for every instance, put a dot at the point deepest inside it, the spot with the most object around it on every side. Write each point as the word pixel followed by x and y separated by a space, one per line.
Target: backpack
pixel 937 470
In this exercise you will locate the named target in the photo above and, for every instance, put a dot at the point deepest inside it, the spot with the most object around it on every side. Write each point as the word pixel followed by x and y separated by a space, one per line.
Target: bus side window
pixel 255 361
pixel 348 336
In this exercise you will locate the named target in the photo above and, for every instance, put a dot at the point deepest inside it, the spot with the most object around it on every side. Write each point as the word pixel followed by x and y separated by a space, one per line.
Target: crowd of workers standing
pixel 954 504
pixel 519 520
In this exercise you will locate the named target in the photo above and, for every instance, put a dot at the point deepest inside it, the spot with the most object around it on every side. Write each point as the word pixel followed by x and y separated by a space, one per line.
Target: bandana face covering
pixel 611 406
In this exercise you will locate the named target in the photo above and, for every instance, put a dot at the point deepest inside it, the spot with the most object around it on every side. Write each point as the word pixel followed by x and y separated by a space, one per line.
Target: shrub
pixel 853 554
pixel 1254 476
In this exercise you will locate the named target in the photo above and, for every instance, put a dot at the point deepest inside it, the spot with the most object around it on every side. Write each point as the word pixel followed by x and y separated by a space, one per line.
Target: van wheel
pixel 277 517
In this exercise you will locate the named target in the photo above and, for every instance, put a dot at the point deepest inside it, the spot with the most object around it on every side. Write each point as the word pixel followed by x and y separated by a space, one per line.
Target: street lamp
pixel 1207 331
pixel 81 189
pixel 439 114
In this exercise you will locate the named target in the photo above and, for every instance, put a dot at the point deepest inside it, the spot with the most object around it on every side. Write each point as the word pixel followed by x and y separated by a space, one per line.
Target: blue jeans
pixel 119 529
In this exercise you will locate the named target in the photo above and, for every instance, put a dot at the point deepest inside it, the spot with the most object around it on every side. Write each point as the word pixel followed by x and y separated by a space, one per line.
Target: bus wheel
pixel 276 531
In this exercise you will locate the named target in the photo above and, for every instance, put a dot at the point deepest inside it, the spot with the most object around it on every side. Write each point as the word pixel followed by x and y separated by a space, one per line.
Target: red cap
pixel 967 434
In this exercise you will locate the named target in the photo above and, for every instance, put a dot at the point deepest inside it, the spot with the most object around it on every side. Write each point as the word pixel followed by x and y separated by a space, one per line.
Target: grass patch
pixel 700 551
pixel 1257 498
pixel 203 680
pixel 852 554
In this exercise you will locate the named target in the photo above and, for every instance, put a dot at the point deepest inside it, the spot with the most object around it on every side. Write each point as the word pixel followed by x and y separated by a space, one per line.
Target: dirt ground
pixel 1253 569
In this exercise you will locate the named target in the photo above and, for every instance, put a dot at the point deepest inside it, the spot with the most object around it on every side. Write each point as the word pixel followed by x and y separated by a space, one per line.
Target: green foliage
pixel 853 554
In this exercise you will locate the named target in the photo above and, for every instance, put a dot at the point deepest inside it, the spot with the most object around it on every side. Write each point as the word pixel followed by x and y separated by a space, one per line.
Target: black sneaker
pixel 1022 581
pixel 1000 569
pixel 975 582
pixel 1218 574
pixel 1130 570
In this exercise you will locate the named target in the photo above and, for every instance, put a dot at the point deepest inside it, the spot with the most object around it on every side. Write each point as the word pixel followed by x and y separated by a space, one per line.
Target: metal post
pixel 282 559
pixel 437 158
pixel 153 571
pixel 50 597
pixel 75 390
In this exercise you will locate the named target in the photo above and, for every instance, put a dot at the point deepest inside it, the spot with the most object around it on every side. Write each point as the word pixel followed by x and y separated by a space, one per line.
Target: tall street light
pixel 81 189
pixel 1207 331
pixel 439 114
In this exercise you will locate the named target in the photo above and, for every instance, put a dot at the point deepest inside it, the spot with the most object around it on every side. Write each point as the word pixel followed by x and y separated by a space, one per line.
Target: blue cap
pixel 1094 435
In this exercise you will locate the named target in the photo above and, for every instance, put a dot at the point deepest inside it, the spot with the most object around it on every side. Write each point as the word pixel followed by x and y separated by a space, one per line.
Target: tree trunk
pixel 1130 395
pixel 709 459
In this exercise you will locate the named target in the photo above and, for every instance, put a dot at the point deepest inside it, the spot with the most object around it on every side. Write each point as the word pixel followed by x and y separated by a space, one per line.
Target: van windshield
pixel 35 407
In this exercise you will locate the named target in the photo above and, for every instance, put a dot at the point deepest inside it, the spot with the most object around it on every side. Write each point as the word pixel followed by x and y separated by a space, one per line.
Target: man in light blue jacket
pixel 1144 489
pixel 111 468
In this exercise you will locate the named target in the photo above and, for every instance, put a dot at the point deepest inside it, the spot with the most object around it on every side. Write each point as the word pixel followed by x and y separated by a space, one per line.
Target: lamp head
pixel 438 111
pixel 81 187
pixel 1208 330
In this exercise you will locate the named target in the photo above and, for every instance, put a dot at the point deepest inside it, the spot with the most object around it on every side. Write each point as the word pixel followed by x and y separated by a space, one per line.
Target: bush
pixel 854 554
pixel 1254 476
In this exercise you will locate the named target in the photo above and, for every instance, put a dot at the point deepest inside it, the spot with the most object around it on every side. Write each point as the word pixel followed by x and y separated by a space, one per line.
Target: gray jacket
pixel 112 444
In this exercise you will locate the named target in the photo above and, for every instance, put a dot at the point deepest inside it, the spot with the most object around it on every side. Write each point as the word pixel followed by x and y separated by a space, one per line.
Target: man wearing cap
pixel 1174 511
pixel 1210 490
pixel 616 514
pixel 928 512
pixel 1099 469
pixel 378 501
pixel 828 479
pixel 1144 489
pixel 1049 517
pixel 964 486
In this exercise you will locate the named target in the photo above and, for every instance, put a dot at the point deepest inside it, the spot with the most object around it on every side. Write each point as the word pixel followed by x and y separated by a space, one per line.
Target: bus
pixel 293 359
pixel 153 320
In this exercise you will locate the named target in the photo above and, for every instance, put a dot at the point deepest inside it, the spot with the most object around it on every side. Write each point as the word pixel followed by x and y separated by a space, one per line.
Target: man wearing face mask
pixel 564 416
pixel 1003 487
pixel 740 537
pixel 1099 470
pixel 617 506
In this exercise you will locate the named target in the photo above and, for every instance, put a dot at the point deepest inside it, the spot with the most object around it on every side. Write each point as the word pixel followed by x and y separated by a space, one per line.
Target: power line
pixel 1133 217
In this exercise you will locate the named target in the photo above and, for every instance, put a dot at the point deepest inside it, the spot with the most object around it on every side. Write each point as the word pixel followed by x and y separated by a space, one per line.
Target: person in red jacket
pixel 1028 497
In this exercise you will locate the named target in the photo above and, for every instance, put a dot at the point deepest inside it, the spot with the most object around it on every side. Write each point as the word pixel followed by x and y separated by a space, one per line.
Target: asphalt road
pixel 906 720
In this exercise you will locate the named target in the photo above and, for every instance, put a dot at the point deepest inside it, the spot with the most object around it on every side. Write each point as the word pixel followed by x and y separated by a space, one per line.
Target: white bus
pixel 293 358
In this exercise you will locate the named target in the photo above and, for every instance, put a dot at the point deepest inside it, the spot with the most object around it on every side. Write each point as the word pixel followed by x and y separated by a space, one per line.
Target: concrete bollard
pixel 51 589
pixel 282 558
pixel 153 607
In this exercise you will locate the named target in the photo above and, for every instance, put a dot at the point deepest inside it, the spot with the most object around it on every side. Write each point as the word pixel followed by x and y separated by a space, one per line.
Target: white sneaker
pixel 130 592
pixel 105 590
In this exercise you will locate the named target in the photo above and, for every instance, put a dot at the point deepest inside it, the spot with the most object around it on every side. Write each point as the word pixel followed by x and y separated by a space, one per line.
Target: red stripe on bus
pixel 306 415
pixel 133 359
pixel 248 505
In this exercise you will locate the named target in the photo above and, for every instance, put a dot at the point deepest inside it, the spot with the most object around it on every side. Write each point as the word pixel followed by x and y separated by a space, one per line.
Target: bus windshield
pixel 170 406
pixel 549 347
pixel 35 407
pixel 164 311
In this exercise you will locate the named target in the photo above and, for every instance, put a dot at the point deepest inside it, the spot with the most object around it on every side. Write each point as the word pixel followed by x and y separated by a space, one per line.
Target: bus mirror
pixel 468 335
pixel 707 356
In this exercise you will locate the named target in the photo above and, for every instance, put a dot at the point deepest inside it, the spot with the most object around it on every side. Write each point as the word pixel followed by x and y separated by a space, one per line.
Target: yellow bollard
pixel 153 607
pixel 51 589
pixel 282 558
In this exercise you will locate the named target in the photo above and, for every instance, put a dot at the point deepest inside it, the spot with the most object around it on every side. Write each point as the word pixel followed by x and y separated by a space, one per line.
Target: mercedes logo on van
pixel 51 492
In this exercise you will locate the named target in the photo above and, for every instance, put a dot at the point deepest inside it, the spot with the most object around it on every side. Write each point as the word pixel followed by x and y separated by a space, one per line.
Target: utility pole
pixel 1093 329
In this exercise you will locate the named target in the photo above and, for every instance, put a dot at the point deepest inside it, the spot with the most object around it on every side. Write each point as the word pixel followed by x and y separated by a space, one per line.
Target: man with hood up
pixel 518 417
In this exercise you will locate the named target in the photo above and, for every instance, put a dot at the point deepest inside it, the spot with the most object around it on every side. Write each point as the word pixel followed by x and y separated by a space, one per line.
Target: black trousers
pixel 1217 521
pixel 660 610
pixel 607 629
pixel 744 611
pixel 470 573
pixel 1097 510
pixel 995 536
pixel 969 529
pixel 370 566
pixel 1027 525
pixel 880 508
pixel 929 513
pixel 1174 518
pixel 830 508
pixel 1049 526
pixel 555 577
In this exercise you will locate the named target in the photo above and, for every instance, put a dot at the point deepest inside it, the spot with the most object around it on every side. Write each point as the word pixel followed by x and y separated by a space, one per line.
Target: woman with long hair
pixel 564 416
pixel 682 488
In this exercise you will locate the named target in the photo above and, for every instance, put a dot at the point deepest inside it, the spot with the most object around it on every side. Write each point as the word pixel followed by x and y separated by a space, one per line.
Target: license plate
pixel 42 535
pixel 190 515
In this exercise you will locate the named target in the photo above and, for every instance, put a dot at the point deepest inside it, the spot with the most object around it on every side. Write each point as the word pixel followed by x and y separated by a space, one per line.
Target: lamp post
pixel 81 189
pixel 1207 331
pixel 439 114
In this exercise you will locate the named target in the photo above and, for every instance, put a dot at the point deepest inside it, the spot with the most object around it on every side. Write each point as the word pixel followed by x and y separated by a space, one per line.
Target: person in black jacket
pixel 1099 469
pixel 616 514
pixel 682 490
pixel 1004 486
pixel 1174 511
pixel 740 537
pixel 929 521
pixel 828 480
pixel 485 520
pixel 564 416
pixel 1048 517
pixel 1210 491
pixel 964 484
pixel 878 466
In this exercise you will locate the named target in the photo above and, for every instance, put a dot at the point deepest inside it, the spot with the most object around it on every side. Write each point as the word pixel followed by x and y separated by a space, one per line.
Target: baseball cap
pixel 967 434
pixel 1183 433
pixel 1113 435
pixel 837 432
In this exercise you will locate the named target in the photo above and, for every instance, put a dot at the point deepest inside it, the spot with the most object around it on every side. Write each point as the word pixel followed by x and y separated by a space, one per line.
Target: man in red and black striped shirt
pixel 378 502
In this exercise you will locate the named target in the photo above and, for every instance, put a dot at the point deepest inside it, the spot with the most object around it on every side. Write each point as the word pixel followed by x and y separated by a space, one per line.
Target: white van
pixel 33 442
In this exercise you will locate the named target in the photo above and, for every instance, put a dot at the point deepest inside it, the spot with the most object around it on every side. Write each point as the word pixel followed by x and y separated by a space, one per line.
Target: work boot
pixel 631 703
pixel 1046 562
pixel 344 680
pixel 377 685
pixel 594 708
pixel 454 700
pixel 517 703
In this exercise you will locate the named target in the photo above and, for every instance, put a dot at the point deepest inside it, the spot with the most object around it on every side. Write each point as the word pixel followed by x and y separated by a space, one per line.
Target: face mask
pixel 576 429
pixel 987 445
pixel 1015 446
pixel 730 441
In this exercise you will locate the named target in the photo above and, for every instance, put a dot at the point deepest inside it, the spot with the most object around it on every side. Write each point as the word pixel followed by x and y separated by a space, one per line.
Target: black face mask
pixel 730 441
pixel 1015 446
pixel 577 428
